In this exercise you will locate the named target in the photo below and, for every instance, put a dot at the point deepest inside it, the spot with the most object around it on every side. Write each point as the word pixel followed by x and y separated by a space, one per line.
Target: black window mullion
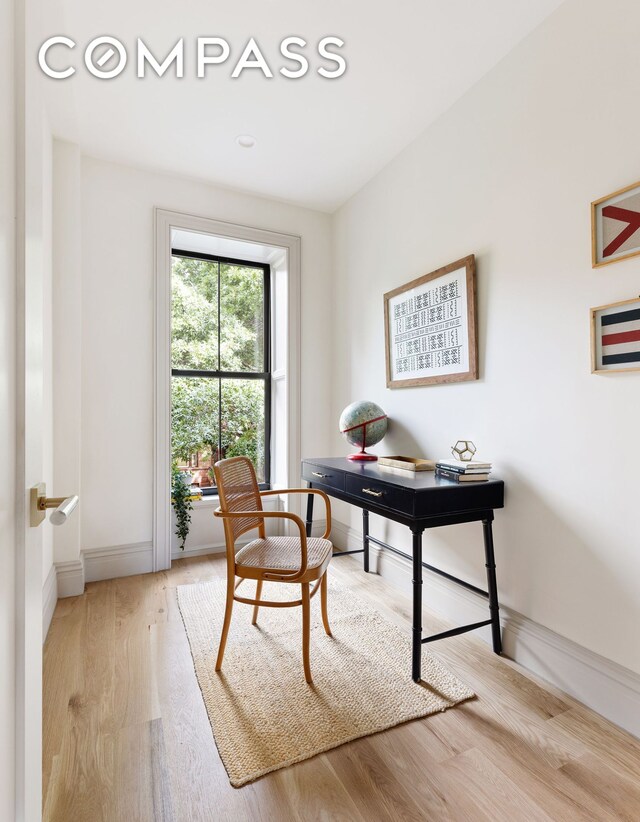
pixel 266 330
pixel 230 375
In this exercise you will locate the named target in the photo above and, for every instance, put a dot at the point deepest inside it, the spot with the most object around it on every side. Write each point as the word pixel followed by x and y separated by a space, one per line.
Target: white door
pixel 30 442
pixel 7 416
pixel 28 152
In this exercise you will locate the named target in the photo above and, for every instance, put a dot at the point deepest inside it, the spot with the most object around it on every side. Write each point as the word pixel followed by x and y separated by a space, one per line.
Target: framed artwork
pixel 615 226
pixel 615 337
pixel 430 328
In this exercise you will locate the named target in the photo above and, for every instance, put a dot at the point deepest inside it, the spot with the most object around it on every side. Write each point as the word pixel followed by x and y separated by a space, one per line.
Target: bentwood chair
pixel 299 559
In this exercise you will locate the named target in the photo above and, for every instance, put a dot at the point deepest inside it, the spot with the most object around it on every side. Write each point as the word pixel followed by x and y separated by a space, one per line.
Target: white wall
pixel 508 174
pixel 117 333
pixel 66 307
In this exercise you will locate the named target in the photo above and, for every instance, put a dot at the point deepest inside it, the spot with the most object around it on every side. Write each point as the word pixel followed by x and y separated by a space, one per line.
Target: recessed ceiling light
pixel 246 141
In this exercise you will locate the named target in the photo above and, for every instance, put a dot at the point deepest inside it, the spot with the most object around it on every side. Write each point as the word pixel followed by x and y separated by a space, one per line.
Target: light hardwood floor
pixel 126 735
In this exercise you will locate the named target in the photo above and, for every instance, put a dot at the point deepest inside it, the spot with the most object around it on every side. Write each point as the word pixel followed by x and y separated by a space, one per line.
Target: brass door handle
pixel 39 502
pixel 371 492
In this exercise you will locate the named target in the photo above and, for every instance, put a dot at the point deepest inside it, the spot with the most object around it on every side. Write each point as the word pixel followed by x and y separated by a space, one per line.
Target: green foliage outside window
pixel 196 332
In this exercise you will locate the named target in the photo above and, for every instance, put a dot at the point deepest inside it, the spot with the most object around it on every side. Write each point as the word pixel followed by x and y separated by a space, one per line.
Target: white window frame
pixel 287 248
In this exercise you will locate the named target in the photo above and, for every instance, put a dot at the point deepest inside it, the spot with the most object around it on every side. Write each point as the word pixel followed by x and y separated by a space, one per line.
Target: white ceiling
pixel 319 140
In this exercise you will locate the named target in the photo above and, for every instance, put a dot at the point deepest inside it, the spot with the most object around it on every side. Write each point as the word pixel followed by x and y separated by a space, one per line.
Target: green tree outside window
pixel 217 324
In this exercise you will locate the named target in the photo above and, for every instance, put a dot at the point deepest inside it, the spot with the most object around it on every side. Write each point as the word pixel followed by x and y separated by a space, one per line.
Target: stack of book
pixel 458 471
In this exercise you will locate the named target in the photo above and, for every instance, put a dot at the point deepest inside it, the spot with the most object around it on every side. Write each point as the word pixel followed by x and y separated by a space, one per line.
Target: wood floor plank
pixel 132 774
pixel 514 685
pixel 613 746
pixel 62 671
pixel 85 757
pixel 269 799
pixel 127 737
pixel 389 777
pixel 541 739
pixel 617 793
pixel 135 693
pixel 562 797
pixel 200 783
pixel 162 801
pixel 488 791
pixel 65 607
pixel 141 775
pixel 316 794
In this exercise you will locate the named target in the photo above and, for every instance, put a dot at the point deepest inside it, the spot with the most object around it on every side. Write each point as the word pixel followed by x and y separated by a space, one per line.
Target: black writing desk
pixel 419 501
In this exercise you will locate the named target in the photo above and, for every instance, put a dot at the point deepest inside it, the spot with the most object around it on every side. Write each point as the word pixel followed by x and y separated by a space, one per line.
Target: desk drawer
pixel 376 493
pixel 319 476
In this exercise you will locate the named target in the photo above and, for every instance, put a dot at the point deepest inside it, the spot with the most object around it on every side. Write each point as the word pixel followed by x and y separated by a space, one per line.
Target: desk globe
pixel 363 424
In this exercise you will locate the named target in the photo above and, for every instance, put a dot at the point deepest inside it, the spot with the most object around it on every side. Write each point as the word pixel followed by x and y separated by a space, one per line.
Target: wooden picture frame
pixel 615 337
pixel 615 226
pixel 430 328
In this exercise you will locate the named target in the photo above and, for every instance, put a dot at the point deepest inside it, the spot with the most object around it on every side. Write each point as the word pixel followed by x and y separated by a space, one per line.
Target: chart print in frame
pixel 430 328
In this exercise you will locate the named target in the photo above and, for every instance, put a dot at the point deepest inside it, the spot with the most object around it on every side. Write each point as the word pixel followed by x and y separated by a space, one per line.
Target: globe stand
pixel 361 455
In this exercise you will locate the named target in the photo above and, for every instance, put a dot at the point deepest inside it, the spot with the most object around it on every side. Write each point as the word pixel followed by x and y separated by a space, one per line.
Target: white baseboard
pixel 49 599
pixel 118 561
pixel 70 576
pixel 103 563
pixel 608 688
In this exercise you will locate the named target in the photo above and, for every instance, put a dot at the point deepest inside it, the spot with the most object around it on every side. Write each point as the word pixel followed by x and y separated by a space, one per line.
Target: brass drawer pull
pixel 371 492
pixel 318 474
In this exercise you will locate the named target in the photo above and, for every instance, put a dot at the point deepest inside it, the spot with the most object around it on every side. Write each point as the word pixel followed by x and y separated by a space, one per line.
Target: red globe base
pixel 362 456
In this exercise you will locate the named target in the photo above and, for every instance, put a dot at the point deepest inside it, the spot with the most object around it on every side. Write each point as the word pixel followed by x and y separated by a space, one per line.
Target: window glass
pixel 194 314
pixel 243 421
pixel 241 318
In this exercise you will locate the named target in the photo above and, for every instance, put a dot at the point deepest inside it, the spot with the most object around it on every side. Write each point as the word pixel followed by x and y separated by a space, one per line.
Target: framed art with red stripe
pixel 615 337
pixel 615 226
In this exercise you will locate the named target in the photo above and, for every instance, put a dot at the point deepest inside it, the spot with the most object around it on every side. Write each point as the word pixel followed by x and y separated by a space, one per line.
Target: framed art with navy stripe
pixel 615 337
pixel 615 226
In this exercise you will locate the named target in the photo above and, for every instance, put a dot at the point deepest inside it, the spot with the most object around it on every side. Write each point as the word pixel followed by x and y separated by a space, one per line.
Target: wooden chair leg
pixel 306 630
pixel 255 607
pixel 323 604
pixel 226 623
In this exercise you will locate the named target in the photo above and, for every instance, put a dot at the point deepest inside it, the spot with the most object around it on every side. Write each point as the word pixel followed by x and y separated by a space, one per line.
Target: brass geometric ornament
pixel 463 450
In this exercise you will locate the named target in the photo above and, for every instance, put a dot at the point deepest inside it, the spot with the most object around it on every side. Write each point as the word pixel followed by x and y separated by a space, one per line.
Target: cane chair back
pixel 238 491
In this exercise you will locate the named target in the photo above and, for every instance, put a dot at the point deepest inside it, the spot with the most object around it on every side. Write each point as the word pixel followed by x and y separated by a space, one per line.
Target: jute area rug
pixel 265 716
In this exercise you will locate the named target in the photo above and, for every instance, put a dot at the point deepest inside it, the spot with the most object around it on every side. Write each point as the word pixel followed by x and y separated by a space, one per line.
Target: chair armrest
pixel 327 501
pixel 290 577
